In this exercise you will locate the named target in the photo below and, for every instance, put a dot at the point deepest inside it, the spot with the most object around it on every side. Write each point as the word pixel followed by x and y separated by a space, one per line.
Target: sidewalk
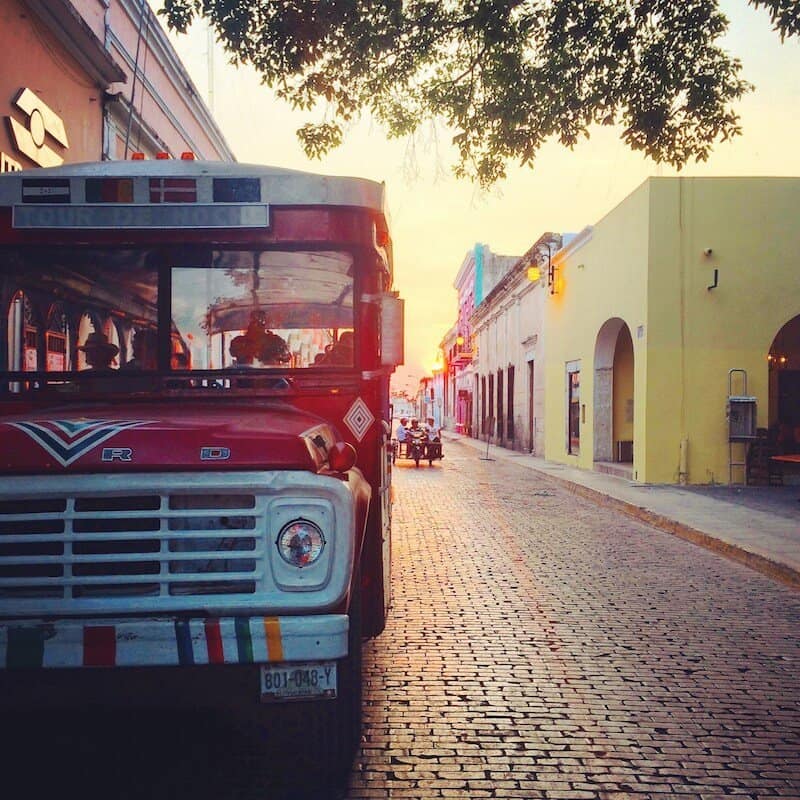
pixel 756 526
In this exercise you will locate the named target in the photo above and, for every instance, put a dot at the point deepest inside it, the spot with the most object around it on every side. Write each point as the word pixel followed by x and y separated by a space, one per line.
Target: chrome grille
pixel 133 545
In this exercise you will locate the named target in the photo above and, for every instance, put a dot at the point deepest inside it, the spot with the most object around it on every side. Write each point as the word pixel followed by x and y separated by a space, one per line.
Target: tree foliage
pixel 785 15
pixel 503 75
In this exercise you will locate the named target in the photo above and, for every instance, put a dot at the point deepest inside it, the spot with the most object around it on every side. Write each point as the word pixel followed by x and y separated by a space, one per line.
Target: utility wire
pixel 135 76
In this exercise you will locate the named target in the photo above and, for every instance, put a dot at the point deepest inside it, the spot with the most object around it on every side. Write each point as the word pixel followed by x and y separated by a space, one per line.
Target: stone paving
pixel 541 646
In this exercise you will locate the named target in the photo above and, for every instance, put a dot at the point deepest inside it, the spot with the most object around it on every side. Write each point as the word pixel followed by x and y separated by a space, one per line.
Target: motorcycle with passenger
pixel 417 446
pixel 416 443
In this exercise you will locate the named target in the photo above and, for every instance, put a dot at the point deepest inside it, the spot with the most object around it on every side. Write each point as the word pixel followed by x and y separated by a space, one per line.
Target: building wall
pixel 750 226
pixel 479 273
pixel 169 113
pixel 508 326
pixel 460 358
pixel 444 382
pixel 645 265
pixel 531 351
pixel 495 266
pixel 77 59
pixel 601 276
pixel 33 57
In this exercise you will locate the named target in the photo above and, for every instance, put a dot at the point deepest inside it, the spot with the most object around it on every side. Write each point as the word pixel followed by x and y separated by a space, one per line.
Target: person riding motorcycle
pixel 433 448
pixel 417 439
pixel 401 437
pixel 431 430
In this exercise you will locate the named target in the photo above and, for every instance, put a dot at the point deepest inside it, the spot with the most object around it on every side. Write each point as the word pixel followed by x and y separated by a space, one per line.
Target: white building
pixel 479 273
pixel 509 369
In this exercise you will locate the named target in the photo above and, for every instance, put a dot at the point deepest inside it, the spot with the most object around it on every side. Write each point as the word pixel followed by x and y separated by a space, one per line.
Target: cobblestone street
pixel 541 646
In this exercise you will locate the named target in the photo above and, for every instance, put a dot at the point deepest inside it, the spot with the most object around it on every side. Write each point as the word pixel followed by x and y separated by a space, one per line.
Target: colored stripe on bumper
pixel 165 642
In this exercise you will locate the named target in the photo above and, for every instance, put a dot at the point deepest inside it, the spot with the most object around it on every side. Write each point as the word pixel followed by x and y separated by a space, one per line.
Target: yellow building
pixel 684 295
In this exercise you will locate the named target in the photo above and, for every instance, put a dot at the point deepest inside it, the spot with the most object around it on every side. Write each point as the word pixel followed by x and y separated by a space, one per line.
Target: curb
pixel 766 566
pixel 772 569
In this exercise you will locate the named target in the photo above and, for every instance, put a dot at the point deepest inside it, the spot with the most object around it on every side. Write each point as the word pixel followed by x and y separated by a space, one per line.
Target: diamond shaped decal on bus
pixel 359 418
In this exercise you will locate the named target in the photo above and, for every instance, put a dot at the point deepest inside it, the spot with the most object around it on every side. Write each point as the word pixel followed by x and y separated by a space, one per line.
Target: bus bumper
pixel 165 642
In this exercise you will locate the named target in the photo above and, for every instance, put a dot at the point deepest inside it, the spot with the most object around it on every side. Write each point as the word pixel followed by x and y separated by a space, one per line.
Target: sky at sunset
pixel 436 219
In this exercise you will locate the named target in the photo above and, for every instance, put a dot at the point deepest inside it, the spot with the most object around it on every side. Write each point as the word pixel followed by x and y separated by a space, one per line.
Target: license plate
pixel 302 681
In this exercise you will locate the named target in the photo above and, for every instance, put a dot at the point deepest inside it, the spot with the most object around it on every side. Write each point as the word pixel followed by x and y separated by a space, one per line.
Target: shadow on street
pixel 150 755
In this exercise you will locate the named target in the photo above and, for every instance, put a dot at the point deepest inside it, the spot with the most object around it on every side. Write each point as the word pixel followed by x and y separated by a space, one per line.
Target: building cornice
pixel 79 40
pixel 463 270
pixel 574 244
pixel 448 339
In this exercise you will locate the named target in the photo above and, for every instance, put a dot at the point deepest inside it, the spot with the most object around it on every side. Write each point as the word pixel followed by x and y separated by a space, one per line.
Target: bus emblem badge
pixel 215 453
pixel 117 454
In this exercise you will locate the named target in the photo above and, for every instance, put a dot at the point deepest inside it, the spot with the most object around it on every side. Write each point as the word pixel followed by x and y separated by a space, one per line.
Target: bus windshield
pixel 115 311
pixel 266 308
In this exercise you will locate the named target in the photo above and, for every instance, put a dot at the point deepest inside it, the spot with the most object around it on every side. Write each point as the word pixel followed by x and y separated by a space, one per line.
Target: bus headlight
pixel 300 543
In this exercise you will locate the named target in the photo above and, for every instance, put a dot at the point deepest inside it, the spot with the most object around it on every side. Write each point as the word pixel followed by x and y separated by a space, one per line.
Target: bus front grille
pixel 136 545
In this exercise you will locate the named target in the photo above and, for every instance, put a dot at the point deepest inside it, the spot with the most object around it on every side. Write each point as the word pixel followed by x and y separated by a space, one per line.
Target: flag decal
pixel 173 190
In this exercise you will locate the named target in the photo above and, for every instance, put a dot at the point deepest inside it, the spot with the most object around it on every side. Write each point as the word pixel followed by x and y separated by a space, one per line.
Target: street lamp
pixel 547 248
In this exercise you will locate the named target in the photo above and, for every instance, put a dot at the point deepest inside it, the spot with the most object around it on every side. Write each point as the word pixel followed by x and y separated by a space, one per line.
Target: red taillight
pixel 342 456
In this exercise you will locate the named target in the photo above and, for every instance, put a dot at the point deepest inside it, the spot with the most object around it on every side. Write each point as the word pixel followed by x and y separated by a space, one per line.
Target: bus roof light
pixel 187 155
pixel 137 156
pixel 162 156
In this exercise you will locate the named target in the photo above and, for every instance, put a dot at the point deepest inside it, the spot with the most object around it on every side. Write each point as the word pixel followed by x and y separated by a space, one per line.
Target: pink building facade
pixel 479 273
pixel 90 80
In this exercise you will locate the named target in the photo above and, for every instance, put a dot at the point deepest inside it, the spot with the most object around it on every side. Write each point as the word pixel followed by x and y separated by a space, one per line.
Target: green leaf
pixel 504 75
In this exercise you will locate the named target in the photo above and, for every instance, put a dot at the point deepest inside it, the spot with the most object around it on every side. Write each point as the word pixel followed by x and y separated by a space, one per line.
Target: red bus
pixel 194 427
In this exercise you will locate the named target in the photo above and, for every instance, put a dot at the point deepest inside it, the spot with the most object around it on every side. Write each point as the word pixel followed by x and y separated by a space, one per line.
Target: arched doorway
pixel 23 334
pixel 613 393
pixel 784 388
pixel 57 340
pixel 23 337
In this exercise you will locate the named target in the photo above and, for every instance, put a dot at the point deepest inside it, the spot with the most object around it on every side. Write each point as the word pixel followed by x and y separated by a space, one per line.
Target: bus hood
pixel 161 437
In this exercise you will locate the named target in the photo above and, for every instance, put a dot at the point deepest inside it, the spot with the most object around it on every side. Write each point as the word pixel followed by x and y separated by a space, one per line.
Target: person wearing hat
pixel 99 351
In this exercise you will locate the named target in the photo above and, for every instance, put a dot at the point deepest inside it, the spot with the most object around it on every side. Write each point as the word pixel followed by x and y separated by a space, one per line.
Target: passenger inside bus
pixel 258 344
pixel 340 353
pixel 145 351
pixel 99 351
